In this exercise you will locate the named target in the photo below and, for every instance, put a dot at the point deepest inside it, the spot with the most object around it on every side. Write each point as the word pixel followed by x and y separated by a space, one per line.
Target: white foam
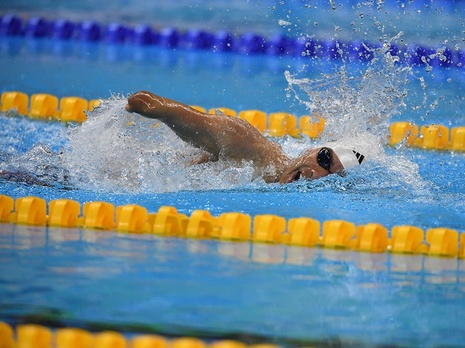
pixel 117 151
pixel 358 108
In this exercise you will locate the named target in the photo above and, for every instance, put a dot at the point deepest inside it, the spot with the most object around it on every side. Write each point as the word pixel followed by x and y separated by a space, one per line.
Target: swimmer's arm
pixel 190 125
pixel 230 137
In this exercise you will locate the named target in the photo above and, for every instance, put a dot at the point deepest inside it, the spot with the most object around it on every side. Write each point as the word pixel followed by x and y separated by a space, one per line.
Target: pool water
pixel 256 292
pixel 253 292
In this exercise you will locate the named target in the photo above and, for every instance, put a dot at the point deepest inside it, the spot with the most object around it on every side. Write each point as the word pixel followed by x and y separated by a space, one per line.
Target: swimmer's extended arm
pixel 190 125
pixel 219 135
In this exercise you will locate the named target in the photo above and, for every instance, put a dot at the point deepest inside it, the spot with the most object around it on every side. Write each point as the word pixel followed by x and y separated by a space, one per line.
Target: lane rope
pixel 33 335
pixel 278 124
pixel 223 41
pixel 233 226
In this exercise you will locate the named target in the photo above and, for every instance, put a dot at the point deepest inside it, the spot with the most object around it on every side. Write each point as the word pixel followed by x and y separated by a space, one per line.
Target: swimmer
pixel 236 139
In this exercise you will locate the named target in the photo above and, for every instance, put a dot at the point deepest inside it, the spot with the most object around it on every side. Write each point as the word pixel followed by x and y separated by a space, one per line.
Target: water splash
pixel 354 102
pixel 31 151
pixel 38 166
pixel 114 151
pixel 117 151
pixel 358 107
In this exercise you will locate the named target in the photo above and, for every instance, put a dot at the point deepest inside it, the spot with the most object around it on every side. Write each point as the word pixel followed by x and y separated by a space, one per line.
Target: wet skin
pixel 230 138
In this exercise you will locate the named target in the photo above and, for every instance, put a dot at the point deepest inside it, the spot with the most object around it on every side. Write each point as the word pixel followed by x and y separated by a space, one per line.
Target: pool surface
pixel 210 289
pixel 214 289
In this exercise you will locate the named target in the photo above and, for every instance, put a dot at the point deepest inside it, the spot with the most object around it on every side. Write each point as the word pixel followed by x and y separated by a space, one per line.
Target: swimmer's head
pixel 320 162
pixel 349 158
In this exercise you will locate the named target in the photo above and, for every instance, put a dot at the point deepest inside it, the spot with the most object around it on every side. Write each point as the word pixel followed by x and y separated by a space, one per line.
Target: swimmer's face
pixel 312 164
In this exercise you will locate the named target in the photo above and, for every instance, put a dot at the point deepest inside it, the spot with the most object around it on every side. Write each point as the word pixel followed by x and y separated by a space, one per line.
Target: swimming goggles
pixel 324 158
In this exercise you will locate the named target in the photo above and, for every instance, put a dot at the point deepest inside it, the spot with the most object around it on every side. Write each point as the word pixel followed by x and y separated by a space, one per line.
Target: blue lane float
pixel 62 29
pixel 11 25
pixel 245 43
pixel 143 35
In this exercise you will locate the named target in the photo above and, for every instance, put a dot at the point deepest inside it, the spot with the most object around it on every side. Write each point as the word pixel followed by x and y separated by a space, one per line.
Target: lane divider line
pixel 247 43
pixel 47 106
pixel 233 226
pixel 277 124
pixel 33 335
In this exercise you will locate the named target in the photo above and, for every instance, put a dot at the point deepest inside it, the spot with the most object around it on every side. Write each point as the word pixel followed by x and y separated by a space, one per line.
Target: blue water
pixel 211 289
pixel 220 289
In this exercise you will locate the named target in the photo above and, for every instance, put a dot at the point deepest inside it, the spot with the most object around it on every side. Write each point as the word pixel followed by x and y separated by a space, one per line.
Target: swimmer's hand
pixel 146 104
